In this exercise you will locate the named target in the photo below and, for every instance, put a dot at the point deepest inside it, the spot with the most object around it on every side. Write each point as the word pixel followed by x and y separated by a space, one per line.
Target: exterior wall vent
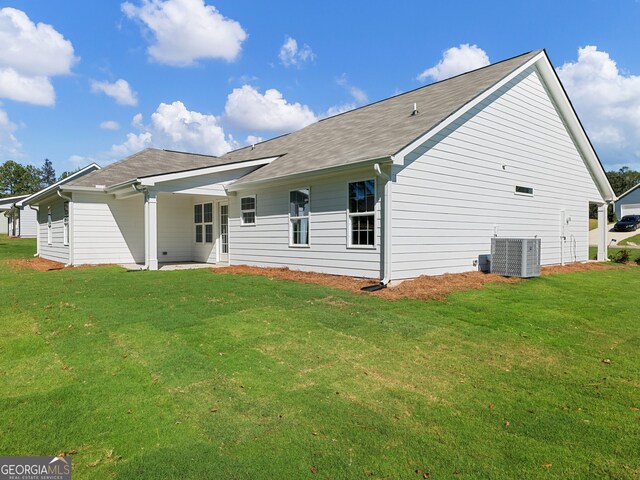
pixel 515 257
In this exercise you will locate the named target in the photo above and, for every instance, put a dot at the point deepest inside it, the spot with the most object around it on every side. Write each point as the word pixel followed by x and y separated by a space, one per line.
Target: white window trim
pixel 203 224
pixel 254 210
pixel 308 217
pixel 65 224
pixel 350 215
pixel 516 192
pixel 49 227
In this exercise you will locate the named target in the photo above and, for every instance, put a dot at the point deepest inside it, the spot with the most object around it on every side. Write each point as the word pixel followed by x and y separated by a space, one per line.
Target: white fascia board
pixel 321 172
pixel 166 177
pixel 51 188
pixel 399 156
pixel 72 189
pixel 572 122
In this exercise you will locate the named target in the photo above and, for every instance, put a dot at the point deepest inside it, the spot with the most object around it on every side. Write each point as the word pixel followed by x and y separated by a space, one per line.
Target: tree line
pixel 18 179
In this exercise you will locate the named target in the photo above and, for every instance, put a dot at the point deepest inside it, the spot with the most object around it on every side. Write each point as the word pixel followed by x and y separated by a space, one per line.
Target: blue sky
pixel 99 80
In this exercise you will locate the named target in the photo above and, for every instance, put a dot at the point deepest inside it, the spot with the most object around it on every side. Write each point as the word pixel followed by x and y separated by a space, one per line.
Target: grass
pixel 189 374
pixel 593 223
pixel 635 240
pixel 17 248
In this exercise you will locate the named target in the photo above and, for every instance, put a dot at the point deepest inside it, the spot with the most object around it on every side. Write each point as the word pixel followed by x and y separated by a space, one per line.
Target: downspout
pixel 386 213
pixel 144 191
pixel 37 254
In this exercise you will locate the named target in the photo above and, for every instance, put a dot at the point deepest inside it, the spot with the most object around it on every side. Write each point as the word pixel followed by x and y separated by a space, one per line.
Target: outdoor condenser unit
pixel 515 257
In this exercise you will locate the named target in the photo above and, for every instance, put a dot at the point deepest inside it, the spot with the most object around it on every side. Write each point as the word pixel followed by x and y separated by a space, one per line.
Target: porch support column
pixel 602 233
pixel 151 230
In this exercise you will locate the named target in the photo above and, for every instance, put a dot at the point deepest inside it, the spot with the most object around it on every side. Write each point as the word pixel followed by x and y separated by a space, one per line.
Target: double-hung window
pixel 203 220
pixel 49 232
pixel 248 210
pixel 65 223
pixel 362 203
pixel 299 201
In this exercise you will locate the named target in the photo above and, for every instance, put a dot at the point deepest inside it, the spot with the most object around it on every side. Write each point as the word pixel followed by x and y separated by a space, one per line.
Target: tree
pixel 16 179
pixel 67 173
pixel 48 174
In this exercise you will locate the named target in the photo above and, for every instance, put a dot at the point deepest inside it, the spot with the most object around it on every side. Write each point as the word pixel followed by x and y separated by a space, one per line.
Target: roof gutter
pixel 234 187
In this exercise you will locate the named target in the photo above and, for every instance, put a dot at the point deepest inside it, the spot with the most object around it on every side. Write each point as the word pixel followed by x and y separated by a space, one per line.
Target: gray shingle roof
pixel 150 161
pixel 374 131
pixel 377 130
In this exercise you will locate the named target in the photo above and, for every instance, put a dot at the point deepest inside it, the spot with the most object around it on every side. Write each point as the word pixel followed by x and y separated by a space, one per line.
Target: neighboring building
pixel 51 224
pixel 17 221
pixel 629 202
pixel 415 184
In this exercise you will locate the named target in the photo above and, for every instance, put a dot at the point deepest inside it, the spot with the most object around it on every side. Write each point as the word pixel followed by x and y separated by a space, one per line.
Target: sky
pixel 95 81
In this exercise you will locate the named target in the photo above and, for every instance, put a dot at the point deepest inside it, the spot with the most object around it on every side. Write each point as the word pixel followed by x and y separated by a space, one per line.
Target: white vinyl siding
pixel 267 244
pixel 107 230
pixel 55 249
pixel 28 222
pixel 459 186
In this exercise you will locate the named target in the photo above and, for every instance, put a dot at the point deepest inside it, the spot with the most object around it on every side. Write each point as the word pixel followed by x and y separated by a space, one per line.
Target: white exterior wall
pixel 175 228
pixel 267 243
pixel 454 189
pixel 28 223
pixel 106 230
pixel 630 204
pixel 56 250
pixel 4 224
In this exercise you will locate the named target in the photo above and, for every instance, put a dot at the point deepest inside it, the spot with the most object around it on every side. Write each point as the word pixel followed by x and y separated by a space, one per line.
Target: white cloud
pixel 290 55
pixel 608 102
pixel 356 93
pixel 29 56
pixel 248 109
pixel 253 139
pixel 338 109
pixel 175 127
pixel 80 161
pixel 456 60
pixel 187 30
pixel 136 121
pixel 110 125
pixel 120 91
pixel 9 144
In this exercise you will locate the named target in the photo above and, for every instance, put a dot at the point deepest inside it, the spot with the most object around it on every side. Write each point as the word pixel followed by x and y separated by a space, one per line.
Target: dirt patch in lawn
pixel 421 288
pixel 39 264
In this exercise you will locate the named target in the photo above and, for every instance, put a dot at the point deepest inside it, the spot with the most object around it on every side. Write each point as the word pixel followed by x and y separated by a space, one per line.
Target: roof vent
pixel 415 109
pixel 253 146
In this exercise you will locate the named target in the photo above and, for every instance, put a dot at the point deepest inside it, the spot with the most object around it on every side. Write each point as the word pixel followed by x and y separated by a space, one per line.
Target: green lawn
pixel 635 239
pixel 634 253
pixel 190 374
pixel 593 223
pixel 17 248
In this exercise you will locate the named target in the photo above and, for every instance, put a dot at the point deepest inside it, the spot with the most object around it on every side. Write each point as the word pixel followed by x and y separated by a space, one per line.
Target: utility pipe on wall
pixel 386 217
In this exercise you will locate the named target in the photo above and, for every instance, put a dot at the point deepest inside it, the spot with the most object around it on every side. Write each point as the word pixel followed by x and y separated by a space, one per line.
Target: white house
pixel 17 220
pixel 51 223
pixel 629 202
pixel 415 184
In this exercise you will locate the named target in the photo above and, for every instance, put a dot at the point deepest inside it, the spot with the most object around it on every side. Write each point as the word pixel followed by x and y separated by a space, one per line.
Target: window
pixel 203 220
pixel 224 229
pixel 299 217
pixel 65 223
pixel 248 210
pixel 49 233
pixel 362 202
pixel 524 190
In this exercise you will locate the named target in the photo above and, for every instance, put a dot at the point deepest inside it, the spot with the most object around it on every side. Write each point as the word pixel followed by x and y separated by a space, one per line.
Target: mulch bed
pixel 36 263
pixel 421 288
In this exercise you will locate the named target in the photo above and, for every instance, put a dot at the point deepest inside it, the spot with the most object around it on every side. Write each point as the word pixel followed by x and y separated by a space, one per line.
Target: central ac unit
pixel 515 257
